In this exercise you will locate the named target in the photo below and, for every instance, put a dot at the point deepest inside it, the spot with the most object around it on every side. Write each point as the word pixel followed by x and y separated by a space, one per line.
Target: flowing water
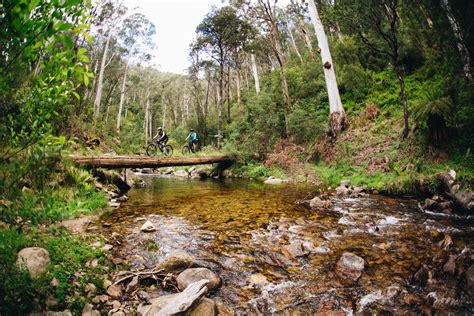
pixel 238 229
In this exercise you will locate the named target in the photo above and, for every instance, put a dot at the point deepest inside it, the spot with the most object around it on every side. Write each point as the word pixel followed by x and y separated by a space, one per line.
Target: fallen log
pixel 118 161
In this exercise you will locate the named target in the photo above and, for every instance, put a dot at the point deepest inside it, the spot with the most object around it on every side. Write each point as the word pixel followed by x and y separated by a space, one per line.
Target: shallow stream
pixel 238 229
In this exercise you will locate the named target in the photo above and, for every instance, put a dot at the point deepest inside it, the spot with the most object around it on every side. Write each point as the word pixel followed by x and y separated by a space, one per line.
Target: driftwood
pixel 176 304
pixel 117 161
pixel 155 273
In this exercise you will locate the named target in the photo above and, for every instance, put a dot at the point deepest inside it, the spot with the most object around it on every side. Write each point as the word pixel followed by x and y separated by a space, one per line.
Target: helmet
pixel 191 130
pixel 160 128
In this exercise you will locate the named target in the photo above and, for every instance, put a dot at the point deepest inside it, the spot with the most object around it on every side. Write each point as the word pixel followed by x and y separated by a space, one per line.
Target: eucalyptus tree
pixel 377 23
pixel 221 32
pixel 136 36
pixel 337 113
pixel 108 16
pixel 265 12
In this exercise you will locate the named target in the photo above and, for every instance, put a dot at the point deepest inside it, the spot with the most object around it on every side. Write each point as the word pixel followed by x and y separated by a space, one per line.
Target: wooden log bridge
pixel 117 162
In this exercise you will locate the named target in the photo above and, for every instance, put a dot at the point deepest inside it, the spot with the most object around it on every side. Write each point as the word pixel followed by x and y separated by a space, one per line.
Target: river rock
pixel 148 227
pixel 343 191
pixel 192 275
pixel 176 262
pixel 181 174
pixel 295 250
pixel 178 303
pixel 450 265
pixel 470 277
pixel 114 291
pixel 272 180
pixel 206 307
pixel 35 259
pixel 317 203
pixel 350 267
pixel 89 310
pixel 257 279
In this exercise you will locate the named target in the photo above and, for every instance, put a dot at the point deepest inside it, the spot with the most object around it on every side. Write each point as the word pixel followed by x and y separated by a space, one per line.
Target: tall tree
pixel 136 35
pixel 337 114
pixel 220 33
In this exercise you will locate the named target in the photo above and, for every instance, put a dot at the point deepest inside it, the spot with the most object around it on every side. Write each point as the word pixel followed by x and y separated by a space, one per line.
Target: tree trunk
pixel 237 82
pixel 122 98
pixel 98 95
pixel 463 51
pixel 163 103
pixel 294 43
pixel 220 105
pixel 255 73
pixel 228 95
pixel 403 95
pixel 337 114
pixel 307 39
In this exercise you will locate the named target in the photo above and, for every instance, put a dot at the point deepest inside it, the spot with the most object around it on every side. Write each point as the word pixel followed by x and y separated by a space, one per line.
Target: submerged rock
pixel 295 250
pixel 35 259
pixel 148 227
pixel 176 262
pixel 350 267
pixel 317 203
pixel 192 275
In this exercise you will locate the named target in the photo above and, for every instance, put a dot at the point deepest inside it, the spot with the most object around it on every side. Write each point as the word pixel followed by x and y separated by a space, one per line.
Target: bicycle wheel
pixel 186 150
pixel 151 150
pixel 168 150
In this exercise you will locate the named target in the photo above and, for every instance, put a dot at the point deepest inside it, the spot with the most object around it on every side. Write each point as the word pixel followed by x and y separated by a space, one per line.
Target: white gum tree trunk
pixel 337 114
pixel 293 42
pixel 122 98
pixel 98 95
pixel 255 73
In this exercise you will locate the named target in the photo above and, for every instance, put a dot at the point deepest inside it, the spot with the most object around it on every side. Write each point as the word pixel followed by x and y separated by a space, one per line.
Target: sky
pixel 176 22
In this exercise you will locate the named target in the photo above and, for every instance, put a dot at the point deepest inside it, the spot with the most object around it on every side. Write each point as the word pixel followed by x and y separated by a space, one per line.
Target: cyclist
pixel 193 139
pixel 161 136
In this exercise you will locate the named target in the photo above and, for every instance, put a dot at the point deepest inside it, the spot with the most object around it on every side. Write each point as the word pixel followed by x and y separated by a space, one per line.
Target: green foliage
pixel 68 254
pixel 39 37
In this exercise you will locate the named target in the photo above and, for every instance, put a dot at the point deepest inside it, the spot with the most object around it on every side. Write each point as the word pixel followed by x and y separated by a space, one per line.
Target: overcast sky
pixel 175 22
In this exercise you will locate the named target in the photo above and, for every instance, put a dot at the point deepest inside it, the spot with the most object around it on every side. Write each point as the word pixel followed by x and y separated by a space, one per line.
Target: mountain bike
pixel 166 150
pixel 187 149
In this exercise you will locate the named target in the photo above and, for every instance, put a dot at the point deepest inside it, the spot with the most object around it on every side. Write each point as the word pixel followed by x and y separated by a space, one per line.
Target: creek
pixel 238 229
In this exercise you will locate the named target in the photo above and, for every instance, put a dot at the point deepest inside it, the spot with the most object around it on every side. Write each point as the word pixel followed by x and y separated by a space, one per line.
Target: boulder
pixel 148 227
pixel 192 275
pixel 179 303
pixel 317 203
pixel 181 174
pixel 273 180
pixel 35 259
pixel 295 250
pixel 112 177
pixel 206 307
pixel 343 191
pixel 176 262
pixel 350 267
